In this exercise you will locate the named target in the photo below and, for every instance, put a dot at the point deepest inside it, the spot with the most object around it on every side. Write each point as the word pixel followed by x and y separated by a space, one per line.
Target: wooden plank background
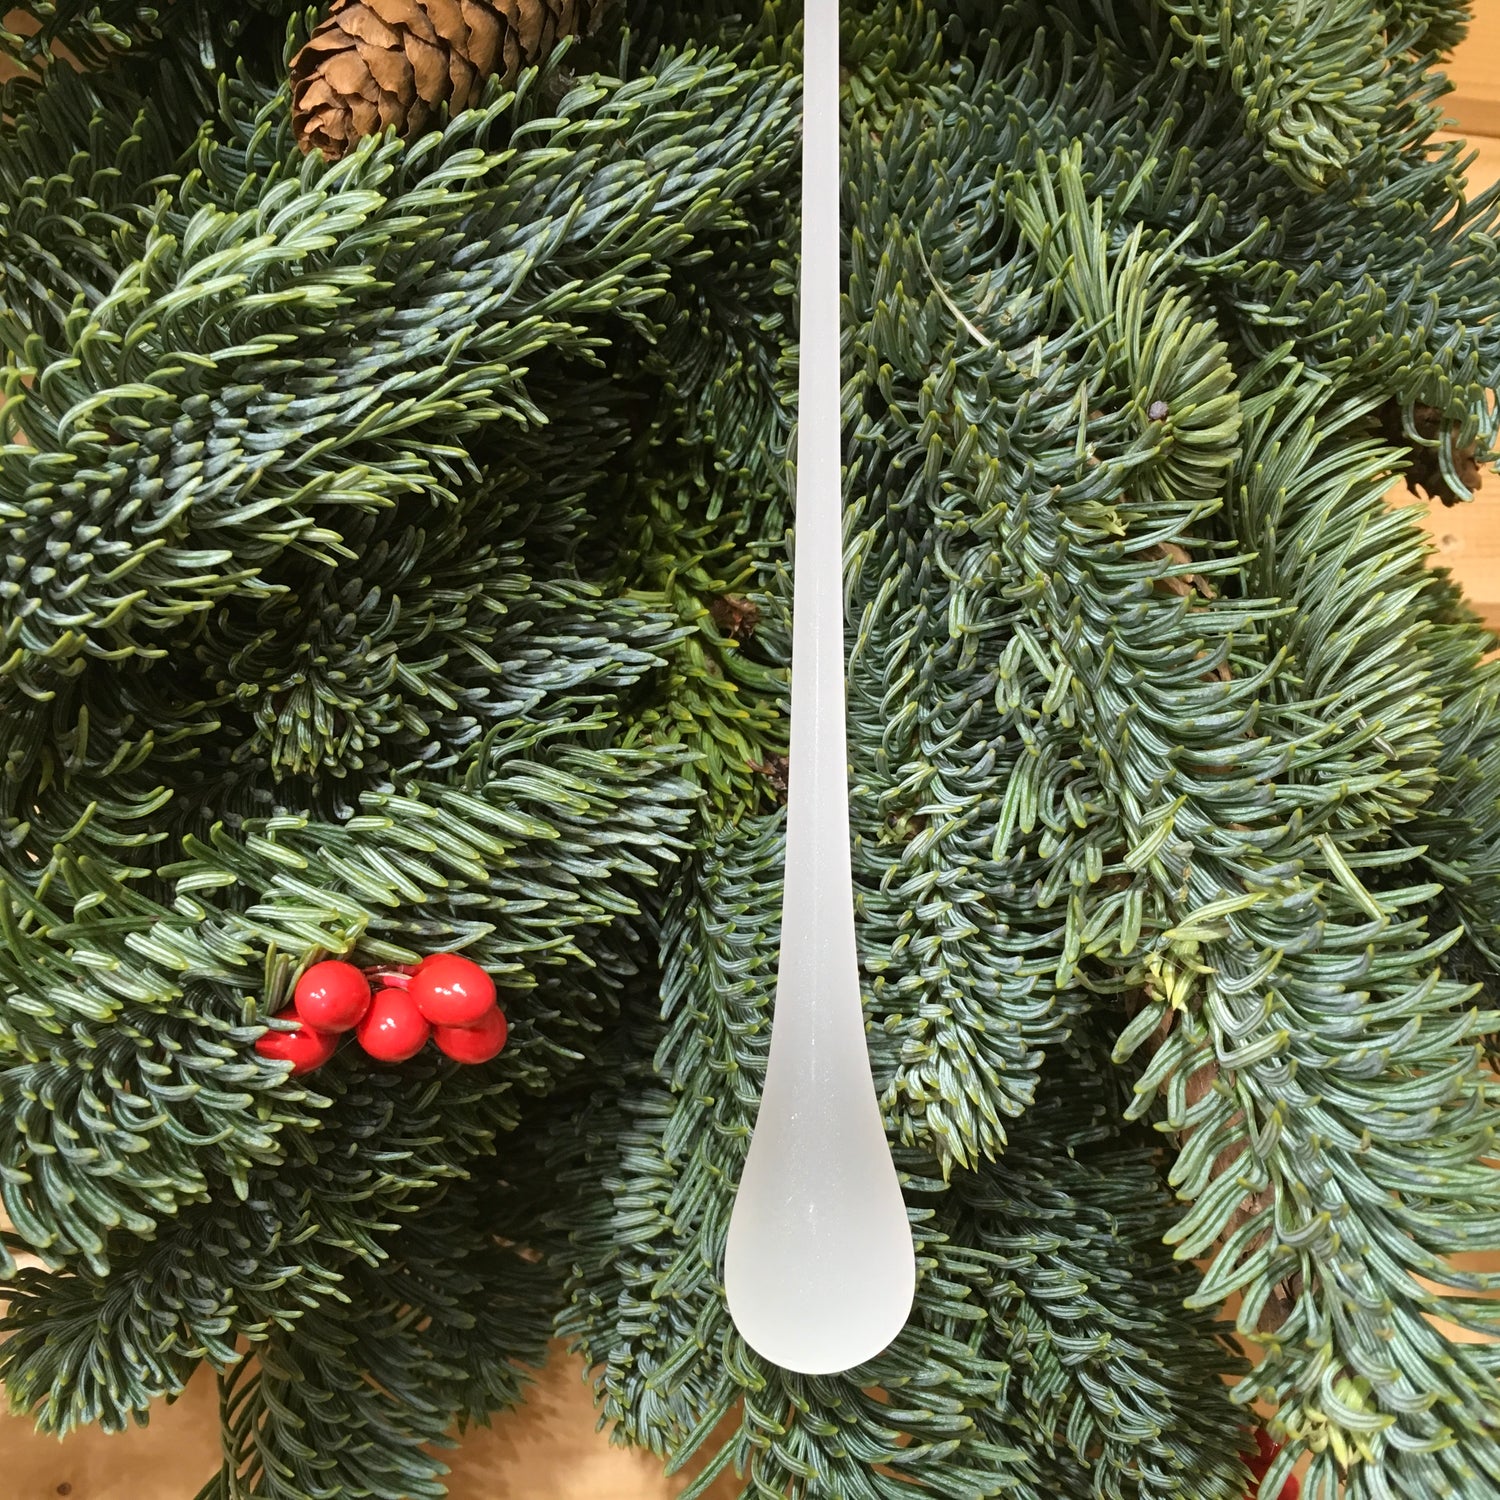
pixel 552 1448
pixel 1467 537
pixel 1475 71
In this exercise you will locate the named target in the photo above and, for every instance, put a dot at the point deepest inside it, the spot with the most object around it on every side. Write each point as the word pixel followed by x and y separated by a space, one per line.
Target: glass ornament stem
pixel 819 1269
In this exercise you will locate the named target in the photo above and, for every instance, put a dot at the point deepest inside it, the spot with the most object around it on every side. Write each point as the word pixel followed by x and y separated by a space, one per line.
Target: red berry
pixel 304 1048
pixel 1291 1490
pixel 393 1030
pixel 473 1044
pixel 1259 1464
pixel 333 996
pixel 451 990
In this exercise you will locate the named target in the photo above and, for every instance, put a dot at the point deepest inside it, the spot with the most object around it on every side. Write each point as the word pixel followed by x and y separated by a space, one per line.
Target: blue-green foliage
pixel 378 540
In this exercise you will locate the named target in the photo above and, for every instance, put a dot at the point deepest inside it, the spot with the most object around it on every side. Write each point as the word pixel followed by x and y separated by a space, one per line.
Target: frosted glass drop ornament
pixel 819 1269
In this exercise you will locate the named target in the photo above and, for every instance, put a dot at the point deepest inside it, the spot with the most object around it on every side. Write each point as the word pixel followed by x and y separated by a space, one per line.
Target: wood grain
pixel 1467 537
pixel 1475 71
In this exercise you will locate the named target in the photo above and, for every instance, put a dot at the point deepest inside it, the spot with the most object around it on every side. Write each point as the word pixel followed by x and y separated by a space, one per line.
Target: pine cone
pixel 1425 474
pixel 378 63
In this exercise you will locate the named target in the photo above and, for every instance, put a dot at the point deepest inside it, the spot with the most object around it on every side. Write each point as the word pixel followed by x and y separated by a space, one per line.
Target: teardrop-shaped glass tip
pixel 819 1270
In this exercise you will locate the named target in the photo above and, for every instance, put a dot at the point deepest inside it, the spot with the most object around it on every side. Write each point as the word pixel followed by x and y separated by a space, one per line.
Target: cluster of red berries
pixel 393 1013
pixel 1260 1463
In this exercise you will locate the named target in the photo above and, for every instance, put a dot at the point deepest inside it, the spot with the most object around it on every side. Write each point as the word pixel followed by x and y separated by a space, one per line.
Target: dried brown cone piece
pixel 735 617
pixel 376 64
pixel 1425 472
pixel 777 771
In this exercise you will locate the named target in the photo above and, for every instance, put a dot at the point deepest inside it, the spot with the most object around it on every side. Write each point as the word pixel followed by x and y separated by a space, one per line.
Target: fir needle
pixel 819 1268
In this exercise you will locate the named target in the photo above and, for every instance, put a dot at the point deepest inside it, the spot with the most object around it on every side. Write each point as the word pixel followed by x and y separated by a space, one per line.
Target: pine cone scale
pixel 402 15
pixel 429 64
pixel 485 31
pixel 448 18
pixel 376 64
pixel 531 25
pixel 367 25
pixel 393 71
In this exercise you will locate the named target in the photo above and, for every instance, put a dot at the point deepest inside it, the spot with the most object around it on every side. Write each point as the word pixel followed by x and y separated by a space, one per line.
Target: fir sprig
pixel 370 536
